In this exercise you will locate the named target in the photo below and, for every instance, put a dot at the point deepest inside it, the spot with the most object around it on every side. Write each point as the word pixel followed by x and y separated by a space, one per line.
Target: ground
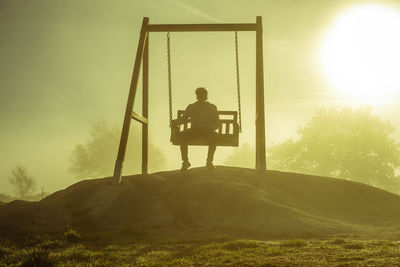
pixel 129 248
pixel 229 217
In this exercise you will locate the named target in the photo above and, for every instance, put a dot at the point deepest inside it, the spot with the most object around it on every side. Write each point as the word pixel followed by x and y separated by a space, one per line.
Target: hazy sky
pixel 66 64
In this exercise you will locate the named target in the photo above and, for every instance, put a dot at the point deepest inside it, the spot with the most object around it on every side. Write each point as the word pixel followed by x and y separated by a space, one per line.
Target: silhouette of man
pixel 204 121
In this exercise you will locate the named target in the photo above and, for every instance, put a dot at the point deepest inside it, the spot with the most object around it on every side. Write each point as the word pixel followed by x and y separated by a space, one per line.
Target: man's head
pixel 201 94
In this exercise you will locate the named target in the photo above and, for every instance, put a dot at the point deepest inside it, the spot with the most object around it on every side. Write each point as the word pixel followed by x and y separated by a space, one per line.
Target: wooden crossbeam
pixel 201 27
pixel 139 118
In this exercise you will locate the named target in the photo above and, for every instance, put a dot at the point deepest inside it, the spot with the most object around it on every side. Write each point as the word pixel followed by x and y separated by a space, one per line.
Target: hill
pixel 227 200
pixel 36 197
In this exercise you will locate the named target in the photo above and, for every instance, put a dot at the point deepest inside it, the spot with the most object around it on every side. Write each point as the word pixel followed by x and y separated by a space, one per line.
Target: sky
pixel 66 64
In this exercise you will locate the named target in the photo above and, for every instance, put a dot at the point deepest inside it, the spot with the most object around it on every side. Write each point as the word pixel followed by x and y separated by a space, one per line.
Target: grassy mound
pixel 228 200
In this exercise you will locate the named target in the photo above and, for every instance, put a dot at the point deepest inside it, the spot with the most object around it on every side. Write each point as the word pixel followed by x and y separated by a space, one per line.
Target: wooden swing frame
pixel 142 59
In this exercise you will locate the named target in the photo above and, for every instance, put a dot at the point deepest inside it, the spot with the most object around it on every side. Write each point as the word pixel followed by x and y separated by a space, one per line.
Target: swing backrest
pixel 227 132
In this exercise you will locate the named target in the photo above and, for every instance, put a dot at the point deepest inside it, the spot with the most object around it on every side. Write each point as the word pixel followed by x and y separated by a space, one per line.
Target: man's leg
pixel 184 150
pixel 211 151
pixel 212 136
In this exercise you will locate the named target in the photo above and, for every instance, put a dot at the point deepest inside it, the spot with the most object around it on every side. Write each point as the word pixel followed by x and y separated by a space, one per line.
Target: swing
pixel 230 121
pixel 228 135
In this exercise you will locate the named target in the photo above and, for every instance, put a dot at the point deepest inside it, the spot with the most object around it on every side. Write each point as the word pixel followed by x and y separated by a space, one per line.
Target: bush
pixel 338 241
pixel 241 244
pixel 4 250
pixel 296 243
pixel 71 235
pixel 354 246
pixel 33 240
pixel 38 257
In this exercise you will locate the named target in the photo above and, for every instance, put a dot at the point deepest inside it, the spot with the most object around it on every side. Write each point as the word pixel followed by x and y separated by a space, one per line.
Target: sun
pixel 360 53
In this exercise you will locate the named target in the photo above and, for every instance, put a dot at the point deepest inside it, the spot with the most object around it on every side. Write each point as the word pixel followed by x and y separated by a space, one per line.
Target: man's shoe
pixel 185 165
pixel 210 165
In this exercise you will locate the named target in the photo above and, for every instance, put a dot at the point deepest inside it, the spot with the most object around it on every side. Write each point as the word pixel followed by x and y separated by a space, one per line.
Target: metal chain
pixel 237 78
pixel 238 81
pixel 169 76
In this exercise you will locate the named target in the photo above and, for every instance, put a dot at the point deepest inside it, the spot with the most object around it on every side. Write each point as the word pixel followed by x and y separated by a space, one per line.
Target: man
pixel 204 121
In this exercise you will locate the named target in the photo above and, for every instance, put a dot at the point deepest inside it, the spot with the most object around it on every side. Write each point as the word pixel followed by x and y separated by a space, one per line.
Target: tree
pixel 243 156
pixel 97 157
pixel 23 184
pixel 350 144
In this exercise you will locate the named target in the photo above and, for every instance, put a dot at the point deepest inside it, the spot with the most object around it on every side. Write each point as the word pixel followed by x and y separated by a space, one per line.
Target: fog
pixel 67 64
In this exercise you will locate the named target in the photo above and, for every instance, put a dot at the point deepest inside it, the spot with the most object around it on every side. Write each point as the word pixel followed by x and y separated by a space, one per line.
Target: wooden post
pixel 261 164
pixel 145 107
pixel 129 105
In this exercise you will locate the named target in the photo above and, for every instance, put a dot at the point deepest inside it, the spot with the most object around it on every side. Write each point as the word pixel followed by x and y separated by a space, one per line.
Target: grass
pixel 71 235
pixel 200 251
pixel 295 243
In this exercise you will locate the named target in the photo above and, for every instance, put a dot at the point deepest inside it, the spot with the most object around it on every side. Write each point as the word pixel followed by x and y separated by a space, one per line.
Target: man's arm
pixel 215 119
pixel 184 118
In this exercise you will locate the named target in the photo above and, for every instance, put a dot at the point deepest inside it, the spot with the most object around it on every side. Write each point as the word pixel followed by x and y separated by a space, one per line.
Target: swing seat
pixel 227 132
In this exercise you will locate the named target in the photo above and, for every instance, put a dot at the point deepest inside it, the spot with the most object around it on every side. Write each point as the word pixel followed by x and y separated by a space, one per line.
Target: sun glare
pixel 360 54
